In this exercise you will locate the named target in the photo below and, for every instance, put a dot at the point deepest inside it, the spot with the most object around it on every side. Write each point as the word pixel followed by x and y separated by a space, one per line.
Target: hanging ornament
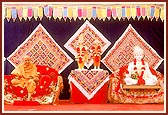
pixel 114 12
pixel 84 12
pixel 14 13
pixel 25 11
pixel 70 12
pixel 20 13
pixel 94 13
pixel 40 12
pixel 65 13
pixel 80 13
pixel 55 12
pixel 8 13
pixel 50 12
pixel 35 12
pixel 30 13
pixel 75 13
pixel 59 13
pixel 108 13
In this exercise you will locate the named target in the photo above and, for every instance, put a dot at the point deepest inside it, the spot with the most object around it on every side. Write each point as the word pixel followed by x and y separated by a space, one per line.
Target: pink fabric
pixel 50 11
pixel 108 12
pixel 79 12
pixel 30 12
pixel 114 13
pixel 138 10
pixel 143 11
pixel 20 12
pixel 84 12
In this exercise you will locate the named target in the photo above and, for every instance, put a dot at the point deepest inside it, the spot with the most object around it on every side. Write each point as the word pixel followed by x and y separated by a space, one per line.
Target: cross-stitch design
pixel 42 49
pixel 122 51
pixel 89 82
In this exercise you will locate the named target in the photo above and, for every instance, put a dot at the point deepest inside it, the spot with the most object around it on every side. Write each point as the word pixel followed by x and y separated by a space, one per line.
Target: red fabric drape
pixel 99 97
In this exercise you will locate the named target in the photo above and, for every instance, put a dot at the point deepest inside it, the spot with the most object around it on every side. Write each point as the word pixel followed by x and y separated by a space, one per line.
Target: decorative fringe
pixel 100 11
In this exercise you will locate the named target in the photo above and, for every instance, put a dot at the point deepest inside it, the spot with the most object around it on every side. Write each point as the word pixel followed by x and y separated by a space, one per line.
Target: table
pixel 89 86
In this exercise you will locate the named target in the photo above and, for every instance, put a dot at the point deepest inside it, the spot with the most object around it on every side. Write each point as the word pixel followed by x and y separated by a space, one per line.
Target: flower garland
pixel 140 79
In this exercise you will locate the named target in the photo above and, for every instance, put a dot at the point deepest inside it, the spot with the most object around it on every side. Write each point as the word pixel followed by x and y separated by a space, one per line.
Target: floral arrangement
pixel 134 76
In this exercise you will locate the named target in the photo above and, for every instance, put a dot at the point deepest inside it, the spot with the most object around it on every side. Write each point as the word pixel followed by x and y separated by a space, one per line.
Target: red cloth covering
pixel 8 88
pixel 89 81
pixel 45 70
pixel 45 80
pixel 19 92
pixel 43 87
pixel 48 76
pixel 16 90
pixel 8 84
pixel 140 80
pixel 100 97
pixel 41 90
pixel 25 103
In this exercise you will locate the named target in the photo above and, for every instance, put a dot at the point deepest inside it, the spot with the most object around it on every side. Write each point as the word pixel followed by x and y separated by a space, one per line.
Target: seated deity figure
pixel 139 71
pixel 82 55
pixel 26 75
pixel 96 54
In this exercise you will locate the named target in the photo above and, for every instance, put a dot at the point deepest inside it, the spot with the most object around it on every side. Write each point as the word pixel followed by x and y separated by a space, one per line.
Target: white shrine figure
pixel 139 71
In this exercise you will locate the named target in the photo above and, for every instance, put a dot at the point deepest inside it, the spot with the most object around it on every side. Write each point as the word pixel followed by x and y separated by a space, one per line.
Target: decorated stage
pixel 83 52
pixel 65 106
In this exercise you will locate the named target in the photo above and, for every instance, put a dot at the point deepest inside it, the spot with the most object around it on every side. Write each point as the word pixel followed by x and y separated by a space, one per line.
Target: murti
pixel 82 54
pixel 96 54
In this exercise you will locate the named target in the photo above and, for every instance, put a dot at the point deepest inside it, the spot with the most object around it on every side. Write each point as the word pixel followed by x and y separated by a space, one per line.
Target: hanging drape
pixel 83 10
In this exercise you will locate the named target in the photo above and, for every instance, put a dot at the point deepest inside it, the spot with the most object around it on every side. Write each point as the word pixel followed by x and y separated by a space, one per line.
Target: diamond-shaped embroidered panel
pixel 122 51
pixel 89 32
pixel 90 81
pixel 42 49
